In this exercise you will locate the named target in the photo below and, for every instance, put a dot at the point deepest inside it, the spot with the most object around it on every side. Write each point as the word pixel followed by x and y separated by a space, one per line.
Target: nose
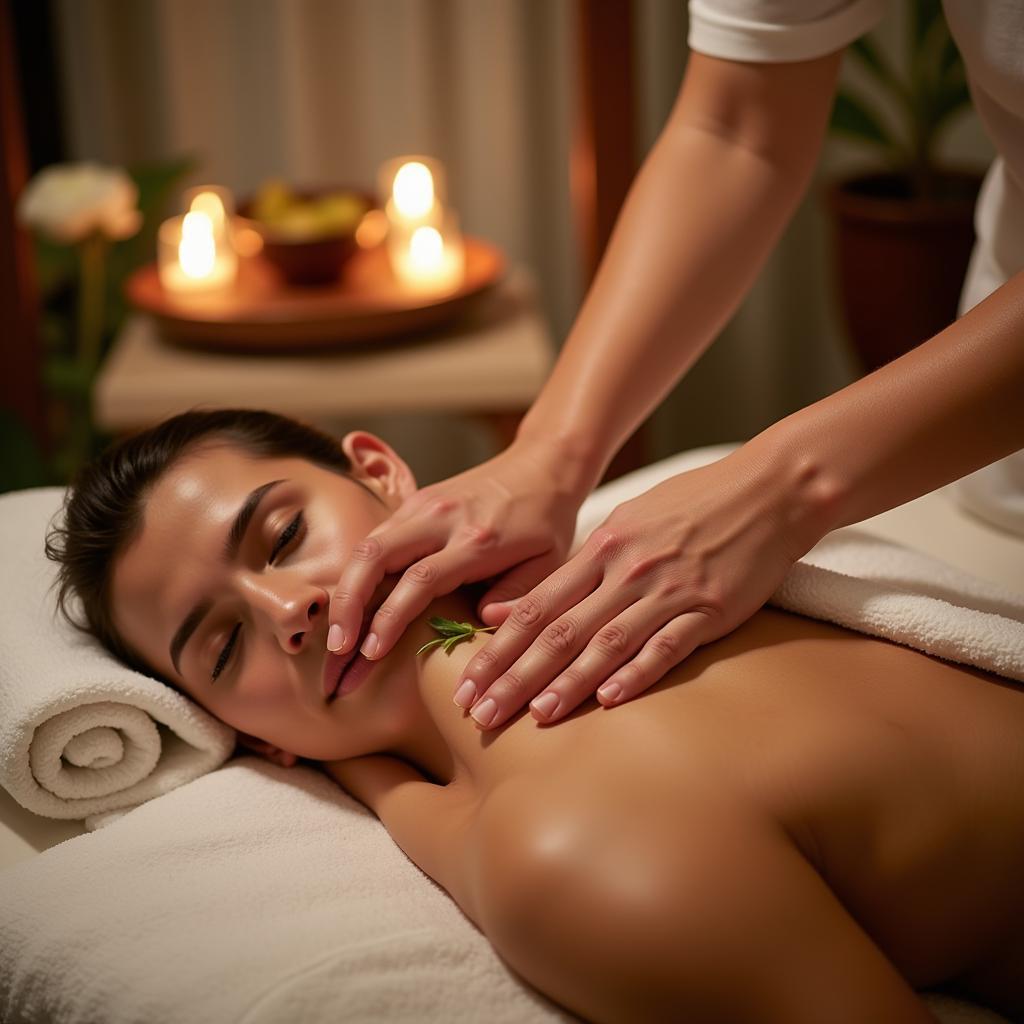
pixel 293 609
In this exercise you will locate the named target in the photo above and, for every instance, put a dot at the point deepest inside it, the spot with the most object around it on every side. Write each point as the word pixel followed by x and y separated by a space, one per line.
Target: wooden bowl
pixel 305 261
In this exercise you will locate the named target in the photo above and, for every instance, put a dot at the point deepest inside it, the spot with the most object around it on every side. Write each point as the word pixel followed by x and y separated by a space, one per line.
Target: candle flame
pixel 413 190
pixel 209 203
pixel 426 249
pixel 197 251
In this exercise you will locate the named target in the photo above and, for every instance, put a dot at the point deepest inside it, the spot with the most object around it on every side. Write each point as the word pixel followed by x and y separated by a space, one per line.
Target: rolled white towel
pixel 81 734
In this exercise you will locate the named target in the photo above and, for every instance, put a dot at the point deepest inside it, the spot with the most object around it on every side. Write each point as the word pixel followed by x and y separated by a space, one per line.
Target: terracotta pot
pixel 901 260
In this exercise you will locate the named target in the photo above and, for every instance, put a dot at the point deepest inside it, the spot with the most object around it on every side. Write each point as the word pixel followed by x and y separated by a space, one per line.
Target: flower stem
pixel 92 262
pixel 92 265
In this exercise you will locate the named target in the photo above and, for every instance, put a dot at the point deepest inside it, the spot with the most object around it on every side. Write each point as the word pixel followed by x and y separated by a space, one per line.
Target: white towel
pixel 80 734
pixel 883 589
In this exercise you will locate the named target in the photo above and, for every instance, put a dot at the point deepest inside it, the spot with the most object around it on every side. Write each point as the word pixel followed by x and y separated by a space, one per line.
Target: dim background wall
pixel 321 91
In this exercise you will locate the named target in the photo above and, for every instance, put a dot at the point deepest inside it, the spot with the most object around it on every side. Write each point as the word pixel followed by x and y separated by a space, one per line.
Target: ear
pixel 267 750
pixel 377 465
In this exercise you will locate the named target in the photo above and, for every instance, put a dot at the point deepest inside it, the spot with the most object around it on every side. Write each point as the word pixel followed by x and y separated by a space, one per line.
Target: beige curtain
pixel 324 90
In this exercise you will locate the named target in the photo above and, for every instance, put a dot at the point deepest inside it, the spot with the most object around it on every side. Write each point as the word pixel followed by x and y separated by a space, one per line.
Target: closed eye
pixel 285 537
pixel 222 659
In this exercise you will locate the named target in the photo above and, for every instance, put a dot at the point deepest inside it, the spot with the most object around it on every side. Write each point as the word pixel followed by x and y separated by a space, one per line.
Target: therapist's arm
pixel 691 559
pixel 947 407
pixel 709 204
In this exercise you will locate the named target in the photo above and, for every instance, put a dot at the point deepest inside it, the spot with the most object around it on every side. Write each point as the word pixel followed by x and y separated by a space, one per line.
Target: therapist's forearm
pixel 698 224
pixel 948 407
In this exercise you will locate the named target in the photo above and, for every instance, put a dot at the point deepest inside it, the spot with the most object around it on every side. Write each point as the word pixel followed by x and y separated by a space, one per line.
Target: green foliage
pixel 156 184
pixel 452 633
pixel 69 371
pixel 926 96
pixel 22 464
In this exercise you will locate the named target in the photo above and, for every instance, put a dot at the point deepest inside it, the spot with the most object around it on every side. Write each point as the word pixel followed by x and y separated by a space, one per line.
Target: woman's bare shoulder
pixel 432 823
pixel 707 911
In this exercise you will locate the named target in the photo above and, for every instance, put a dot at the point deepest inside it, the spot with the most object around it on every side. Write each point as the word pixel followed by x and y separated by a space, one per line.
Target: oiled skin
pixel 605 855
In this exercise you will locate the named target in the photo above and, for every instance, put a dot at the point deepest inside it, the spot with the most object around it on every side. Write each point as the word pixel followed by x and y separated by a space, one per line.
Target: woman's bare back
pixel 894 778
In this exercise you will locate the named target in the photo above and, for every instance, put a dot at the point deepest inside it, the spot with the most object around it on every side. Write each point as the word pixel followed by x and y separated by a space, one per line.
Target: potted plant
pixel 904 232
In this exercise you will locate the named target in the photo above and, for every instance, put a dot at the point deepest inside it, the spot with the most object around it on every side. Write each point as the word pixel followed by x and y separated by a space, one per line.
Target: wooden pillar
pixel 21 390
pixel 603 160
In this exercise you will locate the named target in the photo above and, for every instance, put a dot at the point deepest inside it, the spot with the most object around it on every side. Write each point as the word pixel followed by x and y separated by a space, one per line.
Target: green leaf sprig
pixel 452 633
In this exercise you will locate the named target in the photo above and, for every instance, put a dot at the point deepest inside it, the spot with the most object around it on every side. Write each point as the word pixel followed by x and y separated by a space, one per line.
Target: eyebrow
pixel 232 543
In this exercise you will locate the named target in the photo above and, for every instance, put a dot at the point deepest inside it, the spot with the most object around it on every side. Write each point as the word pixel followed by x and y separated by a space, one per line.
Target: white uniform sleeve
pixel 775 31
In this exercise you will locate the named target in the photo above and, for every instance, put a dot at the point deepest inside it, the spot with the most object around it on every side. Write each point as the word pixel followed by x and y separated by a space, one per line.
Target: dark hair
pixel 103 507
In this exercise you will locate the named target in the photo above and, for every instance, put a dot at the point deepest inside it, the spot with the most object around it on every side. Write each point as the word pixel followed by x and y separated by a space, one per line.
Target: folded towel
pixel 80 734
pixel 883 589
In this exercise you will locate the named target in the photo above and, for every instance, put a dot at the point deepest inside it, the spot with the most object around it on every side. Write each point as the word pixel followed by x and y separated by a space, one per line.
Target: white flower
pixel 69 202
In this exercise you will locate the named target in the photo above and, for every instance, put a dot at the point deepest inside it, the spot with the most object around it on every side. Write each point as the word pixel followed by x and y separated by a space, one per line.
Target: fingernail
pixel 465 694
pixel 610 691
pixel 484 713
pixel 370 646
pixel 335 638
pixel 546 704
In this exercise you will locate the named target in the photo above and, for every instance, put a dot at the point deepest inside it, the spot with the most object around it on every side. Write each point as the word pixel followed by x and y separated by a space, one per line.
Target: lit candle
pixel 424 243
pixel 195 252
pixel 414 187
pixel 413 191
pixel 428 258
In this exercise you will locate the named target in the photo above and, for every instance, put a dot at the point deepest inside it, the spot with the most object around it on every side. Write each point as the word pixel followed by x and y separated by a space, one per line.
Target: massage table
pixel 259 894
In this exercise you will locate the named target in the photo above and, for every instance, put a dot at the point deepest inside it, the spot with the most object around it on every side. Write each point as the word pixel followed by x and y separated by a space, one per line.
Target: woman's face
pixel 242 627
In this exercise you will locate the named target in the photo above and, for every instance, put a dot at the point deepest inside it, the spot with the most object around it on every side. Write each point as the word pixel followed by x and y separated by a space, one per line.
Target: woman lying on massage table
pixel 797 824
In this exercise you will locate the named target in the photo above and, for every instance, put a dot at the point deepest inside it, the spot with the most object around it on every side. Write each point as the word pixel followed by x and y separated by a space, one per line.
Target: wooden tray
pixel 262 313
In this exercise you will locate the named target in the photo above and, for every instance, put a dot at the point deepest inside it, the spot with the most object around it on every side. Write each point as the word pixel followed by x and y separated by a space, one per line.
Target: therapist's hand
pixel 514 515
pixel 679 566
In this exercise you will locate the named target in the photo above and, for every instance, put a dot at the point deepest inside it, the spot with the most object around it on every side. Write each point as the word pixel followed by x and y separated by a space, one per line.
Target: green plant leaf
pixel 950 62
pixel 452 632
pixel 22 464
pixel 871 58
pixel 55 264
pixel 952 98
pixel 65 377
pixel 922 16
pixel 852 117
pixel 155 180
pixel 447 627
pixel 429 644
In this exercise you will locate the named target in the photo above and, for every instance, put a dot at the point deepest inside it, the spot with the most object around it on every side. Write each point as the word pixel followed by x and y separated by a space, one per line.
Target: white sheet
pixel 255 894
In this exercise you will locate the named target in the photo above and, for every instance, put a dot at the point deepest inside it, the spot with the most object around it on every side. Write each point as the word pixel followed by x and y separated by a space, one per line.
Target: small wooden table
pixel 491 363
